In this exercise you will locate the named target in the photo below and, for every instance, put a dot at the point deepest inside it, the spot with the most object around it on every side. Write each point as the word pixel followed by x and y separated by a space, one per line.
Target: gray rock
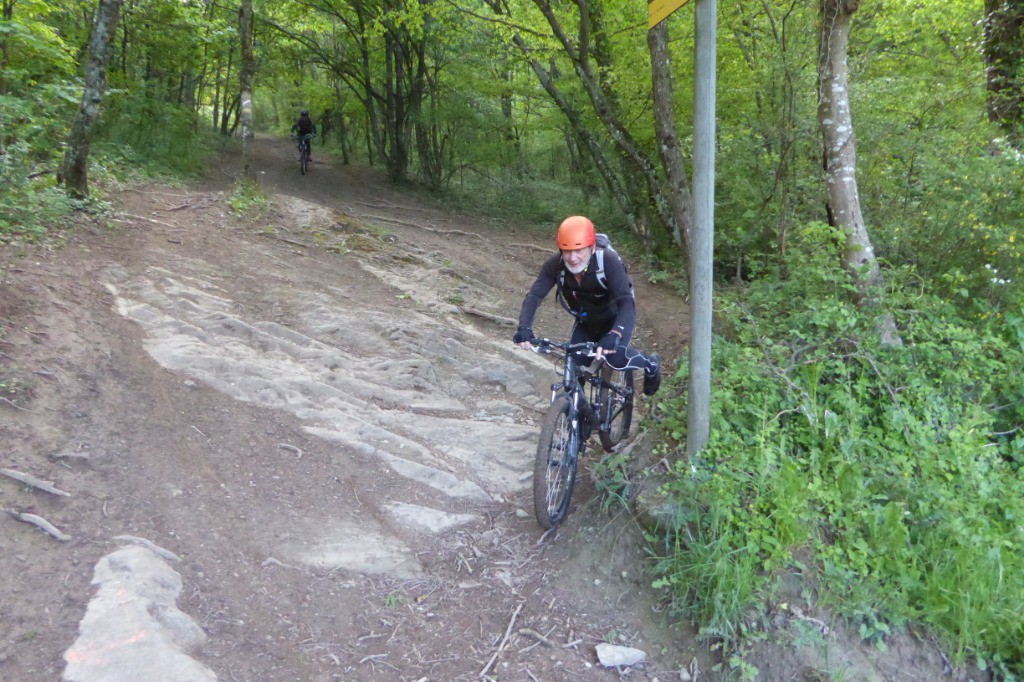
pixel 132 629
pixel 612 656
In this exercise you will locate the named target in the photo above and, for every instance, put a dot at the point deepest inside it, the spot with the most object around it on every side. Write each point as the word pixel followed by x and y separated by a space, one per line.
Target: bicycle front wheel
pixel 616 407
pixel 304 160
pixel 554 469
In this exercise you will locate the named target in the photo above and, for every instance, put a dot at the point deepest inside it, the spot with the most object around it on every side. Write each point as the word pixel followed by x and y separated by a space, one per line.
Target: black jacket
pixel 304 126
pixel 597 308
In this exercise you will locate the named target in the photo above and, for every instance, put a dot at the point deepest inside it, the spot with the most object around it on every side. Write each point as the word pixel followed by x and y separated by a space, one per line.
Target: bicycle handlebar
pixel 545 346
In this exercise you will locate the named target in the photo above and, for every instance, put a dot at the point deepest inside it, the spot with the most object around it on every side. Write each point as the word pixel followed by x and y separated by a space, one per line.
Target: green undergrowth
pixel 35 121
pixel 880 483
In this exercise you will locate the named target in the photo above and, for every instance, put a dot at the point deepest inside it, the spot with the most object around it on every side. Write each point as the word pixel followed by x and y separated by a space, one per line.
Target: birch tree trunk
pixel 840 158
pixel 74 172
pixel 245 78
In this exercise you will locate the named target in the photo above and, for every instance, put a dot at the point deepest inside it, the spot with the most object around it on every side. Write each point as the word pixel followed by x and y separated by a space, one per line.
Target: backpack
pixel 603 242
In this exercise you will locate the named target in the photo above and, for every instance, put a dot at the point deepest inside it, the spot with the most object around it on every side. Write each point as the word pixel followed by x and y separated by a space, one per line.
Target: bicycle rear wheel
pixel 616 406
pixel 554 469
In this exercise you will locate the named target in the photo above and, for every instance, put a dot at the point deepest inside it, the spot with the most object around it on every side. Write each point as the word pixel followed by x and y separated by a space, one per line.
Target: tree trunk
pixel 840 156
pixel 1004 61
pixel 678 188
pixel 245 78
pixel 74 172
pixel 5 57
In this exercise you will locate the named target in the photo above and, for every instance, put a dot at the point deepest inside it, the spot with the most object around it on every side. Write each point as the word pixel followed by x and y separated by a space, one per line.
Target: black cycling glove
pixel 609 342
pixel 523 334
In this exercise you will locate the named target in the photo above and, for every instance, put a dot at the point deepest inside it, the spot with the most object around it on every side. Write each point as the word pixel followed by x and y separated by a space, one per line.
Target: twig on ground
pixel 532 246
pixel 536 635
pixel 292 449
pixel 822 625
pixel 34 482
pixel 291 241
pixel 187 204
pixel 48 374
pixel 271 561
pixel 148 220
pixel 504 641
pixel 503 321
pixel 385 219
pixel 155 548
pixel 14 405
pixel 39 522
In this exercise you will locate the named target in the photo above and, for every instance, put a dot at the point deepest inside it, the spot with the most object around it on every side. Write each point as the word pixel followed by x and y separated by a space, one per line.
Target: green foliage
pixel 143 132
pixel 14 389
pixel 248 198
pixel 29 199
pixel 613 480
pixel 895 470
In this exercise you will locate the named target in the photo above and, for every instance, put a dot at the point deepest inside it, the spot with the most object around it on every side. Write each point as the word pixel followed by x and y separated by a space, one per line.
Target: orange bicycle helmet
pixel 576 232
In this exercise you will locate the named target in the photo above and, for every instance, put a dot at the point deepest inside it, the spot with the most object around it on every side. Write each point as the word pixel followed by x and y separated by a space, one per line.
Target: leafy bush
pixel 886 477
pixel 145 133
pixel 29 157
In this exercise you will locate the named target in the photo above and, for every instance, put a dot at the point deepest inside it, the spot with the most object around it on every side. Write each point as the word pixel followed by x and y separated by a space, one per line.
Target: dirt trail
pixel 333 461
pixel 292 406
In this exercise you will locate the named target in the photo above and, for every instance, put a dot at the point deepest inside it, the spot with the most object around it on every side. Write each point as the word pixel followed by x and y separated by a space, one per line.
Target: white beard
pixel 577 270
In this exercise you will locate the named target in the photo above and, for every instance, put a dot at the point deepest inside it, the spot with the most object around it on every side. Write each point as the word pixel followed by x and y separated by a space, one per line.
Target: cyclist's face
pixel 577 259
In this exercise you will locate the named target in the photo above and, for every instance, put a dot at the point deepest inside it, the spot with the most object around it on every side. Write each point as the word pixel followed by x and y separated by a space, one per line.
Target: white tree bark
pixel 840 156
pixel 245 78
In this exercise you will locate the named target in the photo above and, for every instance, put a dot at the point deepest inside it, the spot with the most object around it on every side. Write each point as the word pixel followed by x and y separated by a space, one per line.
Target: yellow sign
pixel 660 9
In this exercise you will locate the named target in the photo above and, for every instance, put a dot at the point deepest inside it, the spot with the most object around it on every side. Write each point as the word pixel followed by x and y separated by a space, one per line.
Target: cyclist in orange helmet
pixel 592 285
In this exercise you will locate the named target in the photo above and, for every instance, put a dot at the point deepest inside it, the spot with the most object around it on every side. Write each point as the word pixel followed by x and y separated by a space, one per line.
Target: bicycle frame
pixel 582 383
pixel 587 396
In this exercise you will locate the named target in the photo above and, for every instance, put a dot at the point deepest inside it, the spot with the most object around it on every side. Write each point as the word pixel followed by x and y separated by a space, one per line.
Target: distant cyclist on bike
pixel 305 126
pixel 596 289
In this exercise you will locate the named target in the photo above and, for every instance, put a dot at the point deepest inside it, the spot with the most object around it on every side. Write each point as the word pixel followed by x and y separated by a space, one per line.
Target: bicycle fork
pixel 577 413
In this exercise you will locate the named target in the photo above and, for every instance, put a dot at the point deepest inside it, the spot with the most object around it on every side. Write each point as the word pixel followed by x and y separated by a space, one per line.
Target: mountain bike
pixel 303 151
pixel 589 395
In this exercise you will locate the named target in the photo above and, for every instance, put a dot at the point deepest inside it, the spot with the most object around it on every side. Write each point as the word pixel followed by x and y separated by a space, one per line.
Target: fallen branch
pixel 156 549
pixel 14 404
pixel 503 321
pixel 271 561
pixel 536 635
pixel 385 219
pixel 546 249
pixel 149 220
pixel 290 241
pixel 291 448
pixel 822 625
pixel 39 522
pixel 504 641
pixel 71 455
pixel 34 482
